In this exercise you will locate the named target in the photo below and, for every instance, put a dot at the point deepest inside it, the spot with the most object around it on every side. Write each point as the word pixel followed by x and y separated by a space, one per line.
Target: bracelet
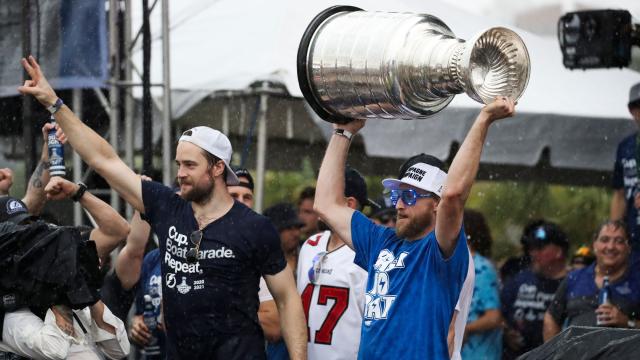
pixel 56 106
pixel 78 194
pixel 344 133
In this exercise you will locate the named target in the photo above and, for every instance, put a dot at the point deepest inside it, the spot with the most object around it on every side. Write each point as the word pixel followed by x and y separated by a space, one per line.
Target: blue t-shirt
pixel 576 300
pixel 625 176
pixel 411 294
pixel 151 284
pixel 484 345
pixel 208 302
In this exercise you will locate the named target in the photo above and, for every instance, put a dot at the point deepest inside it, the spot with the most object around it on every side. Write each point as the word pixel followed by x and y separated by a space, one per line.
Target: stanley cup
pixel 354 64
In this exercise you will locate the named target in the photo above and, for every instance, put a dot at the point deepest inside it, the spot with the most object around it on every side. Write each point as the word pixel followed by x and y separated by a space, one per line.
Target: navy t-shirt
pixel 207 302
pixel 576 300
pixel 525 299
pixel 625 176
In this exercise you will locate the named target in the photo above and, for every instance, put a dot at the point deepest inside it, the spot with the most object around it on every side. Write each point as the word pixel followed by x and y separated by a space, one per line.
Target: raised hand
pixel 6 180
pixel 353 126
pixel 60 135
pixel 59 188
pixel 502 107
pixel 38 86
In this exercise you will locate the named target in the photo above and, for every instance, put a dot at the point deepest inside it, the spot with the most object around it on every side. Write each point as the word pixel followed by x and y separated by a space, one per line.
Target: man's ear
pixel 352 202
pixel 217 169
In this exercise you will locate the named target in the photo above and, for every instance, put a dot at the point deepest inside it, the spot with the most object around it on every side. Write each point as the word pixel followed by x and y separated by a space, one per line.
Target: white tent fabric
pixel 227 45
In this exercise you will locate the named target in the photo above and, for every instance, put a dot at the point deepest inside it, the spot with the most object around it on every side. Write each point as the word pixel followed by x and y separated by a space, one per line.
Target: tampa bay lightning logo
pixel 170 280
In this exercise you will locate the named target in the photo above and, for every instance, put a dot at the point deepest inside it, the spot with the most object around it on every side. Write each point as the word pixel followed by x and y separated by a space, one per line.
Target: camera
pixel 597 39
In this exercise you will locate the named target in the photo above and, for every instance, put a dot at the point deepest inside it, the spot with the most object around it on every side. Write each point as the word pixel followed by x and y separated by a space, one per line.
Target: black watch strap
pixel 81 190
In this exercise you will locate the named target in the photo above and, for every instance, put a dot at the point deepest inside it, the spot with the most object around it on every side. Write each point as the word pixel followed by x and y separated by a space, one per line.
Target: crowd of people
pixel 201 275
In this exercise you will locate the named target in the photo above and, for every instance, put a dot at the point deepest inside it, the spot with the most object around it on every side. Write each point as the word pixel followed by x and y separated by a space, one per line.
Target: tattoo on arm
pixel 64 319
pixel 36 177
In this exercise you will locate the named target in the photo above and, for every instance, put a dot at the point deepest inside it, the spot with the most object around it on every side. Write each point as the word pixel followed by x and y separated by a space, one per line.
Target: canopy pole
pixel 166 97
pixel 261 146
pixel 114 91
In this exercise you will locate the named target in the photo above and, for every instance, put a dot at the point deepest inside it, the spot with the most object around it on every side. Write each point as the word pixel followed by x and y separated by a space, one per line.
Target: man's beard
pixel 199 194
pixel 412 228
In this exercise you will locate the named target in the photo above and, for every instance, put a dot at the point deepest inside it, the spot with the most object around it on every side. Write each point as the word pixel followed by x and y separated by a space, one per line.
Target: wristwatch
pixel 81 190
pixel 344 133
pixel 56 106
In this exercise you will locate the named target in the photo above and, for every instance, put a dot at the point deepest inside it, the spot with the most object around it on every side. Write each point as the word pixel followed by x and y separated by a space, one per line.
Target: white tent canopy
pixel 228 45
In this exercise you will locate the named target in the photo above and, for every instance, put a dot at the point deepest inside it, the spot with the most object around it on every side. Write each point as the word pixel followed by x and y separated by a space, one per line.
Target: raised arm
pixel 35 198
pixel 292 321
pixel 93 149
pixel 462 174
pixel 330 203
pixel 112 228
pixel 129 262
pixel 618 205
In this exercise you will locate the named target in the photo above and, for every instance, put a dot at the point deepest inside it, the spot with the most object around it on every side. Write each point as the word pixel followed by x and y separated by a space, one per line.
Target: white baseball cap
pixel 215 143
pixel 423 176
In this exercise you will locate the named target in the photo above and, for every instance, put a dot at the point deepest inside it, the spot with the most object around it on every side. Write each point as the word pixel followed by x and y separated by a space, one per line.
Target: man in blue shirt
pixel 576 300
pixel 626 189
pixel 416 271
pixel 213 248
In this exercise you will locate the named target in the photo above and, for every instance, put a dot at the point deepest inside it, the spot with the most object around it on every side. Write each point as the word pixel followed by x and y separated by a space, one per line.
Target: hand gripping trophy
pixel 354 64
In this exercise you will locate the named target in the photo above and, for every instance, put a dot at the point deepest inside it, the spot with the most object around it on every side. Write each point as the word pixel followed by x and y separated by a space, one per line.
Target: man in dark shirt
pixel 527 295
pixel 576 301
pixel 626 189
pixel 213 248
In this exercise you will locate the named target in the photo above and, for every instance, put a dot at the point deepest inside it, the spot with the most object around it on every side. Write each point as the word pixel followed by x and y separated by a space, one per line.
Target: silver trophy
pixel 357 64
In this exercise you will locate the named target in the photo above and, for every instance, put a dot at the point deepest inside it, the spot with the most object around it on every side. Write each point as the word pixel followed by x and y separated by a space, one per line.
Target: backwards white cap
pixel 423 176
pixel 215 143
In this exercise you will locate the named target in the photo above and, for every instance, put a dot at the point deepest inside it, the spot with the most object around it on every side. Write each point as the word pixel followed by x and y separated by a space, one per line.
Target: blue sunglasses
pixel 408 196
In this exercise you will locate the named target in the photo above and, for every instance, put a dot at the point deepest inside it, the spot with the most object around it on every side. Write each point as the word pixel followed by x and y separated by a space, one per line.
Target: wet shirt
pixel 625 176
pixel 208 302
pixel 525 299
pixel 411 292
pixel 576 300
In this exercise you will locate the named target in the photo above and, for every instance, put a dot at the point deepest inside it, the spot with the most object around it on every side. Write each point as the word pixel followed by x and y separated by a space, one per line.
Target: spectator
pixel 306 213
pixel 515 265
pixel 527 295
pixel 326 270
pixel 285 219
pixel 415 272
pixel 582 258
pixel 386 214
pixel 626 188
pixel 576 300
pixel 243 192
pixel 483 332
pixel 213 249
pixel 150 284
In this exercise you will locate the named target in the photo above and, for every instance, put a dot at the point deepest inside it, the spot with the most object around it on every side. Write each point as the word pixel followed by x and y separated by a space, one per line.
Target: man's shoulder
pixel 628 141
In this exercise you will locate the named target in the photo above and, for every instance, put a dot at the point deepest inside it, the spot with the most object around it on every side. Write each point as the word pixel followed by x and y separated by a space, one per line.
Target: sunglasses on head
pixel 316 267
pixel 408 196
pixel 194 253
